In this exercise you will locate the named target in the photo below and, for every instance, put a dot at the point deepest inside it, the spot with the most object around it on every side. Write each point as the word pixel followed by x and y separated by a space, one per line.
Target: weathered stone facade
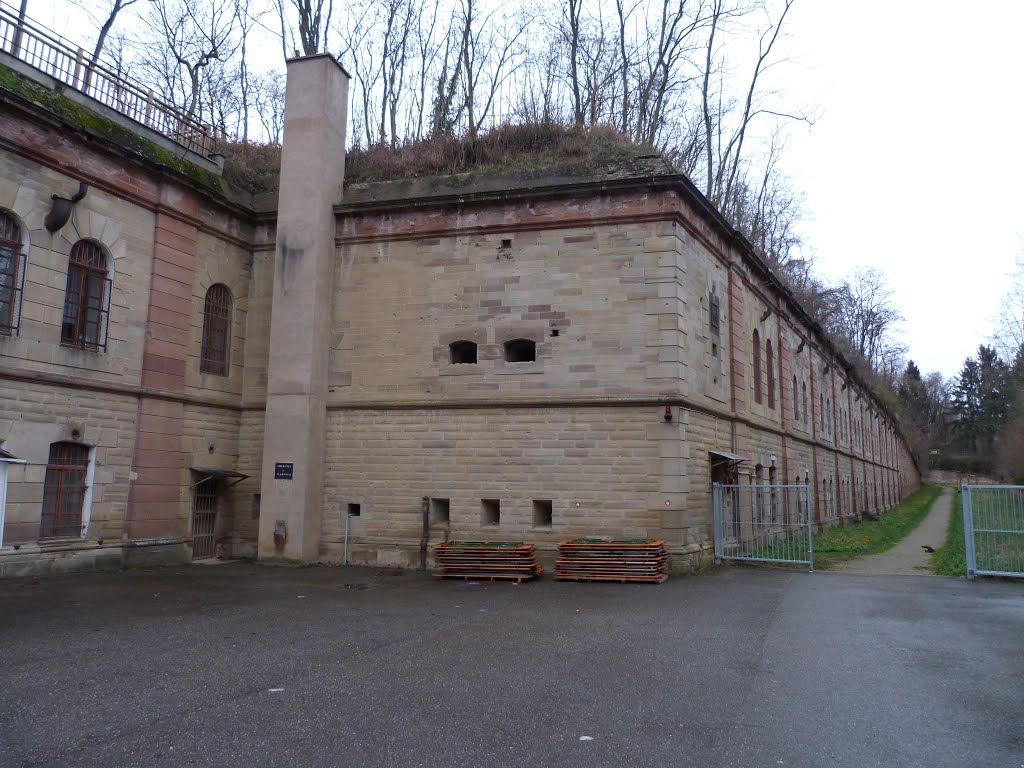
pixel 639 302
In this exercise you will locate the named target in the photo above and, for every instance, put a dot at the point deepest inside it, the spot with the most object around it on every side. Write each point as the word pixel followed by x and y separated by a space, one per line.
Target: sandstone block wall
pixel 596 467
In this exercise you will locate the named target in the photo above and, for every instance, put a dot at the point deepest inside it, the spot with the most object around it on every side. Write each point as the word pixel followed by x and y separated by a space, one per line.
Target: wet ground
pixel 240 665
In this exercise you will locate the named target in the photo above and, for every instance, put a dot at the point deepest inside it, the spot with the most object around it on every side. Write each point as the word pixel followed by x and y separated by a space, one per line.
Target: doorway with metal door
pixel 204 517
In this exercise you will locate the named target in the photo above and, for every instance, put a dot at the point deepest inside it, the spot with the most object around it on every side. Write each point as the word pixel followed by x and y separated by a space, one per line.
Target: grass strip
pixel 870 537
pixel 951 558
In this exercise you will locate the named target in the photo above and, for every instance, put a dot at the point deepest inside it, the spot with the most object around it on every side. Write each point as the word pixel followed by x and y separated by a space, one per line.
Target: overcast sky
pixel 914 165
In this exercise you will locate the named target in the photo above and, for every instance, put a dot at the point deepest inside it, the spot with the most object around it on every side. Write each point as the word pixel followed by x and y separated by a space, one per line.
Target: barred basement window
pixel 462 352
pixel 213 356
pixel 520 351
pixel 12 273
pixel 87 298
pixel 64 490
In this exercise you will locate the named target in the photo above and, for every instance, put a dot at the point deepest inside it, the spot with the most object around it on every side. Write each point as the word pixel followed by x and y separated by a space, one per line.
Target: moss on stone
pixel 84 119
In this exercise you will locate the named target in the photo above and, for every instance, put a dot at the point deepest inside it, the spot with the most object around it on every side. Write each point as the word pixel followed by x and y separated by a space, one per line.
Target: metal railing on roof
pixel 71 65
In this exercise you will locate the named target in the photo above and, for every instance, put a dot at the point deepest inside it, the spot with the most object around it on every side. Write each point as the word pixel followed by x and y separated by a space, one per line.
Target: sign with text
pixel 283 471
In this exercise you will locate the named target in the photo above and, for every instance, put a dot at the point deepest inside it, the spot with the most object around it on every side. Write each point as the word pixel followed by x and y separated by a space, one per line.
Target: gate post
pixel 968 510
pixel 716 504
pixel 810 530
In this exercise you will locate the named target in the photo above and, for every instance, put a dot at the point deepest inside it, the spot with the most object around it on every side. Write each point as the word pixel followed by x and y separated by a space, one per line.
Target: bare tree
pixel 1009 336
pixel 191 36
pixel 864 318
pixel 268 98
pixel 312 22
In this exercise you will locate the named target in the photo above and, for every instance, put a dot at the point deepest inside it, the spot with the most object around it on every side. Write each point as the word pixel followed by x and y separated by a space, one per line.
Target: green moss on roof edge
pixel 94 124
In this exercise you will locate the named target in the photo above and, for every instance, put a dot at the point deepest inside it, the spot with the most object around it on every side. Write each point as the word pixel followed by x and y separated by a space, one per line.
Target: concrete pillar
pixel 312 172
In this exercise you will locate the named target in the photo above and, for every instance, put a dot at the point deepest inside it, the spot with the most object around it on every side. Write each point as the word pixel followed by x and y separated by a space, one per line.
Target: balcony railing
pixel 72 66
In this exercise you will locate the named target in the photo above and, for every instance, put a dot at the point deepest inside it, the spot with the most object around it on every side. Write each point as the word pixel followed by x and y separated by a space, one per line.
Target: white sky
pixel 914 165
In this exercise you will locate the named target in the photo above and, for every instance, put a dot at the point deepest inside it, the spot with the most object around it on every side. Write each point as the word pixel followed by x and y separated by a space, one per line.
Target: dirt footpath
pixel 909 556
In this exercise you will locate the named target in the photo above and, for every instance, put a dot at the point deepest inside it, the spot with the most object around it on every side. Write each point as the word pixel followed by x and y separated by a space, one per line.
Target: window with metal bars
pixel 757 367
pixel 714 313
pixel 87 298
pixel 213 355
pixel 64 490
pixel 12 273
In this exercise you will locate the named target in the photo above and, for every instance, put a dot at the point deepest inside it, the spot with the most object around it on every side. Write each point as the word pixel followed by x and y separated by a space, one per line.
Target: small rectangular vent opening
pixel 354 510
pixel 440 510
pixel 541 513
pixel 490 512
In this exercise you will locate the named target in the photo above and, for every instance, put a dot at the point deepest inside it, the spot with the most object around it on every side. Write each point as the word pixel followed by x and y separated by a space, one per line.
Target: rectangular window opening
pixel 440 510
pixel 256 506
pixel 541 513
pixel 490 512
pixel 354 510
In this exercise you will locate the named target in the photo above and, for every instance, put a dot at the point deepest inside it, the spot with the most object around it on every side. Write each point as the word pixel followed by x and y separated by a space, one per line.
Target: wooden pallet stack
pixel 486 560
pixel 639 560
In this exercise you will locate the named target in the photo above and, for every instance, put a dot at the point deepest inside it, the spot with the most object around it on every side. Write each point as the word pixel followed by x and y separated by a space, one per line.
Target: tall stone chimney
pixel 312 173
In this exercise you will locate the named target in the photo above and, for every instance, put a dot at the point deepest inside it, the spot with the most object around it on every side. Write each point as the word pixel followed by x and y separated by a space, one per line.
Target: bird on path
pixel 926 548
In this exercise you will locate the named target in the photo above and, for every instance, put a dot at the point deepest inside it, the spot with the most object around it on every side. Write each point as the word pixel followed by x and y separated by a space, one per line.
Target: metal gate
pixel 994 530
pixel 204 519
pixel 764 523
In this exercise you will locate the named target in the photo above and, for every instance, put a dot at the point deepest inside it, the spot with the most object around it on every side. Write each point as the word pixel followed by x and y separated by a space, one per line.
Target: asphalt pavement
pixel 241 665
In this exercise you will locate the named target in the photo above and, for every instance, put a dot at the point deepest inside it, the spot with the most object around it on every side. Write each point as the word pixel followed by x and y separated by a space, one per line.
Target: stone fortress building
pixel 188 372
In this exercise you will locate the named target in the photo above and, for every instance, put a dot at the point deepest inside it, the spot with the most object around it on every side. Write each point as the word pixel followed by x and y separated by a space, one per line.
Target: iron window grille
pixel 12 274
pixel 214 353
pixel 758 396
pixel 87 298
pixel 64 490
pixel 714 319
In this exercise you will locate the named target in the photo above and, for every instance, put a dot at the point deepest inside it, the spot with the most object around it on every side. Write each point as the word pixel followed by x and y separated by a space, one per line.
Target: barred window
pixel 87 298
pixel 758 396
pixel 714 313
pixel 12 273
pixel 213 356
pixel 64 490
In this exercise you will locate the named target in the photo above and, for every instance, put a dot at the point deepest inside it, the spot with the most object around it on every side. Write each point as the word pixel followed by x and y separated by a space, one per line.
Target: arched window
pixel 520 351
pixel 796 402
pixel 87 297
pixel 64 490
pixel 462 352
pixel 758 397
pixel 770 367
pixel 805 404
pixel 12 273
pixel 216 346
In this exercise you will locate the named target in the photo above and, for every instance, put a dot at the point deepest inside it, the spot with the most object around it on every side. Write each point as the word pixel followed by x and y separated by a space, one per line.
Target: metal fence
pixel 764 523
pixel 72 66
pixel 994 530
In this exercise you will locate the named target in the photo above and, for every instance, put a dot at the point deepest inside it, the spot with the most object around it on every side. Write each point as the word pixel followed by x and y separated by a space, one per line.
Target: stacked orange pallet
pixel 640 560
pixel 486 560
